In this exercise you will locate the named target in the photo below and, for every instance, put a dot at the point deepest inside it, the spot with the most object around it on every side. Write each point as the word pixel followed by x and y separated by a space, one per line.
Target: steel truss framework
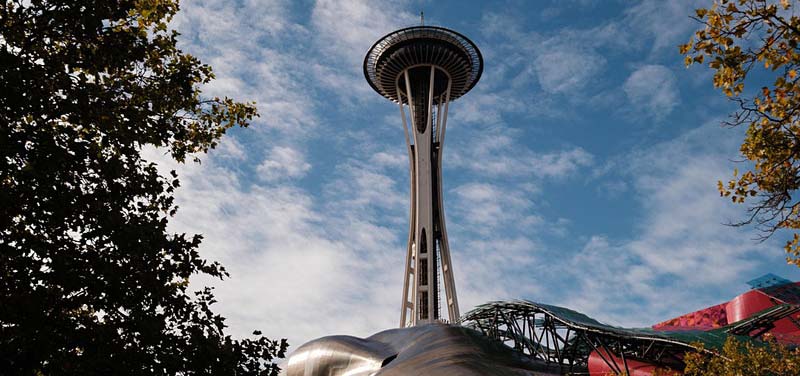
pixel 545 334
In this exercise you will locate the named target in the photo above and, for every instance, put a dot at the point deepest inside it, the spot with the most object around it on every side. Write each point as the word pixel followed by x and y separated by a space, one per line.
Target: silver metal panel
pixel 433 349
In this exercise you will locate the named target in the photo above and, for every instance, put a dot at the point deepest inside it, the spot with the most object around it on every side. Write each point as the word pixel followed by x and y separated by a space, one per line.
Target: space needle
pixel 423 69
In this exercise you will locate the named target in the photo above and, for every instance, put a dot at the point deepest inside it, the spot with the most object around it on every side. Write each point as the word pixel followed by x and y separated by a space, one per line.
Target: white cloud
pixel 228 147
pixel 347 29
pixel 283 162
pixel 562 163
pixel 344 31
pixel 571 64
pixel 218 23
pixel 663 24
pixel 485 207
pixel 495 152
pixel 230 36
pixel 495 268
pixel 289 257
pixel 563 69
pixel 493 230
pixel 483 108
pixel 360 188
pixel 568 64
pixel 302 266
pixel 652 91
pixel 680 257
pixel 389 160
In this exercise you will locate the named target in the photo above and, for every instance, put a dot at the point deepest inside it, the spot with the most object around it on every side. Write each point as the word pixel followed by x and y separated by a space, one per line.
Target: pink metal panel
pixel 754 301
pixel 746 305
pixel 740 308
pixel 704 319
pixel 599 367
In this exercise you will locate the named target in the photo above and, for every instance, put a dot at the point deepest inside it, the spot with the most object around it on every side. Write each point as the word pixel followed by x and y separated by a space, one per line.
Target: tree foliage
pixel 743 38
pixel 745 358
pixel 91 281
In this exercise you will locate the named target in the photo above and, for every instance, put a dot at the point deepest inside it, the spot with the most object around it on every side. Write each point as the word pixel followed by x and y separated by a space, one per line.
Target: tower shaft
pixel 426 90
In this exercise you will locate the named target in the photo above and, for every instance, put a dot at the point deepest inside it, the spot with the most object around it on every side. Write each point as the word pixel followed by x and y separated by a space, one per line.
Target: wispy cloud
pixel 665 23
pixel 575 66
pixel 389 160
pixel 283 162
pixel 231 36
pixel 344 31
pixel 289 256
pixel 290 252
pixel 348 29
pixel 565 69
pixel 486 207
pixel 652 91
pixel 308 208
pixel 681 256
pixel 496 152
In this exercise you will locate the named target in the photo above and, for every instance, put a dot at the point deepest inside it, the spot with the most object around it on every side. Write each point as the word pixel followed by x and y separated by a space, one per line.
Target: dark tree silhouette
pixel 91 281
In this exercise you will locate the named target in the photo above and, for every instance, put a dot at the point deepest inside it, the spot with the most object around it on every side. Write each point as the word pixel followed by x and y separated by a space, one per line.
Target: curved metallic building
pixel 423 68
pixel 433 349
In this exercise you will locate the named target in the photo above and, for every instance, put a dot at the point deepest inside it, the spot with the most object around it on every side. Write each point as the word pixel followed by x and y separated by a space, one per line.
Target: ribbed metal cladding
pixel 423 45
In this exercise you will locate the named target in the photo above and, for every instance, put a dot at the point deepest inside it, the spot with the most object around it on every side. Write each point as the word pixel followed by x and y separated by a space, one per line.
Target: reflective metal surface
pixel 340 355
pixel 433 349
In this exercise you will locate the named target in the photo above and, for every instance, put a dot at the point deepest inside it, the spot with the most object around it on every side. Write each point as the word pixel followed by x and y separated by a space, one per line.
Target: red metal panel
pixel 599 367
pixel 751 302
pixel 747 304
pixel 704 319
pixel 740 308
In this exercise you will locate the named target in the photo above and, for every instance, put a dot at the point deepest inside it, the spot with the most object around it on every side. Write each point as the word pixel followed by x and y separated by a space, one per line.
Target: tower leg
pixel 427 233
pixel 451 298
pixel 407 315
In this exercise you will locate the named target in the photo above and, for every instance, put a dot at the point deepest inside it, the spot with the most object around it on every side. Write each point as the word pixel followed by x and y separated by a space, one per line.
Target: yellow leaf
pixel 792 74
pixel 701 12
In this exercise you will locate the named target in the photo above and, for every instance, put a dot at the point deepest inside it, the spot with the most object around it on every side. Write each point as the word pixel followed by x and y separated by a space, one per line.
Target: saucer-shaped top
pixel 422 45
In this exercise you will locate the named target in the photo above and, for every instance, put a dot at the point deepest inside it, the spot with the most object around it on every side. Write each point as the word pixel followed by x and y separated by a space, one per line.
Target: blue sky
pixel 581 170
